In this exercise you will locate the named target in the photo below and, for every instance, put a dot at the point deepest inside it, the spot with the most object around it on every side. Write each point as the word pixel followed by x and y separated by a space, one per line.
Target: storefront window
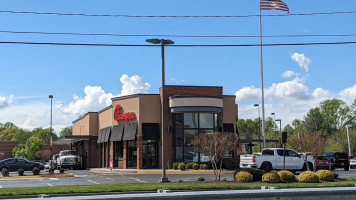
pixel 131 154
pixel 194 124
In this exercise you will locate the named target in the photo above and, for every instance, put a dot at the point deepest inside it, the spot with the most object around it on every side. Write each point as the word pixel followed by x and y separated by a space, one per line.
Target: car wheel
pixel 267 167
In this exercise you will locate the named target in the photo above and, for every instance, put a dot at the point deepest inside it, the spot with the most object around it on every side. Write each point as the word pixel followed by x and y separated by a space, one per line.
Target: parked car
pixel 272 158
pixel 353 163
pixel 321 163
pixel 68 159
pixel 337 160
pixel 13 164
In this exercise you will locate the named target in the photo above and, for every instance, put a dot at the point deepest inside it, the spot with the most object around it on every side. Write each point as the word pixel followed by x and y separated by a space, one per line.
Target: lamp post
pixel 163 43
pixel 50 130
pixel 274 124
pixel 284 147
pixel 259 123
pixel 280 125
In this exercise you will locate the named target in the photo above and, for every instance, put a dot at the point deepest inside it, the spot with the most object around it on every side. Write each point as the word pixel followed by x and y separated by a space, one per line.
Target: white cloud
pixel 248 93
pixel 96 98
pixel 289 89
pixel 348 94
pixel 288 74
pixel 177 81
pixel 4 102
pixel 302 60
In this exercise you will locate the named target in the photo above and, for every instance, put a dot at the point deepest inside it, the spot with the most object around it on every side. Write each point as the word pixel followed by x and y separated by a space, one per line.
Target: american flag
pixel 274 5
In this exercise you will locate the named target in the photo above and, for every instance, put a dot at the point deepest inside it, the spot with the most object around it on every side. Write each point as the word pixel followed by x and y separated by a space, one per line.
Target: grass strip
pixel 130 187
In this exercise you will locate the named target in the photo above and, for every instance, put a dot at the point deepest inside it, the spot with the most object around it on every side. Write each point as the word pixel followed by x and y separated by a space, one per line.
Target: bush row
pixel 252 174
pixel 35 171
pixel 228 163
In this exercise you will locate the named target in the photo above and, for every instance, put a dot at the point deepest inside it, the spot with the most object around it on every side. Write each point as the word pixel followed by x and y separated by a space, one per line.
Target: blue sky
pixel 84 78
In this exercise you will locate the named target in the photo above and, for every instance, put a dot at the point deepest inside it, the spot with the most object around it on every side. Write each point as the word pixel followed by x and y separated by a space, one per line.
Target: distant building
pixel 127 134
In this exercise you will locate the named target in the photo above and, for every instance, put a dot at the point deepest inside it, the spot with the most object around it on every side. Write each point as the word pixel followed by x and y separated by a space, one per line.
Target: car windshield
pixel 341 155
pixel 69 153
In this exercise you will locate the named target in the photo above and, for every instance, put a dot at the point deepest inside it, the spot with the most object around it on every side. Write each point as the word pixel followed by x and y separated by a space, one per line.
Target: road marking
pixel 49 184
pixel 93 182
pixel 111 179
pixel 137 179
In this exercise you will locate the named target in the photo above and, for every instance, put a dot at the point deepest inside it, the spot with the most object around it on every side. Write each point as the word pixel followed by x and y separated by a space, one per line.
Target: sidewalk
pixel 156 171
pixel 43 174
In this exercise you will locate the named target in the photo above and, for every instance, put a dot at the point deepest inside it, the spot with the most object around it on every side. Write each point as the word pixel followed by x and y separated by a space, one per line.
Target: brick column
pixel 139 152
pixel 125 154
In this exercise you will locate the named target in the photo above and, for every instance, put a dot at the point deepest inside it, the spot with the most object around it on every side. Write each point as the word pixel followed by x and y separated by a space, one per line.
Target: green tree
pixel 66 131
pixel 19 150
pixel 313 121
pixel 44 134
pixel 21 136
pixel 33 145
pixel 8 133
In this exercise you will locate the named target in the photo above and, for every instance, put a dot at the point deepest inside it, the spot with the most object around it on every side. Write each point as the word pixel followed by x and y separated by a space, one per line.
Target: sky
pixel 85 78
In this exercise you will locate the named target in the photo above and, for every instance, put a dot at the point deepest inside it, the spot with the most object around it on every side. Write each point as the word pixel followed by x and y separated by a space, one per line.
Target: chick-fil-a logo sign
pixel 122 116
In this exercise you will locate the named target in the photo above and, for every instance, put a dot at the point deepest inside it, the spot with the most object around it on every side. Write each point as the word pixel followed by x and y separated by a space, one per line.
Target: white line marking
pixel 93 182
pixel 49 184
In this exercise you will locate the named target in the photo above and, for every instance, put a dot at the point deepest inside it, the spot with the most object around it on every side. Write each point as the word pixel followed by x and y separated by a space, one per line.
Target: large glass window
pixel 186 127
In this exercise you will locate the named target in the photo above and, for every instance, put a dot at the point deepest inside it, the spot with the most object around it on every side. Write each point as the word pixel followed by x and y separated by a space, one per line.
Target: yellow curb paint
pixel 40 176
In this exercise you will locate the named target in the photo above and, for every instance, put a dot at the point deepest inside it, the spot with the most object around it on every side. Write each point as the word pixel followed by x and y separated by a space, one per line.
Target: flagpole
pixel 262 88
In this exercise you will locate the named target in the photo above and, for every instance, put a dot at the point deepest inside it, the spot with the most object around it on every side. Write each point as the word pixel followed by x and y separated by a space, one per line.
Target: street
pixel 84 177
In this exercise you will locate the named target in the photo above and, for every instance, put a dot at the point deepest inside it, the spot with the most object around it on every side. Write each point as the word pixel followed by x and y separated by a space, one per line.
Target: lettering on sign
pixel 123 116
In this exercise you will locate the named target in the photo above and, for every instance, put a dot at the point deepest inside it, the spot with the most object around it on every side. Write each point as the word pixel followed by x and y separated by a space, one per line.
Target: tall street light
pixel 50 130
pixel 274 124
pixel 280 126
pixel 163 43
pixel 259 123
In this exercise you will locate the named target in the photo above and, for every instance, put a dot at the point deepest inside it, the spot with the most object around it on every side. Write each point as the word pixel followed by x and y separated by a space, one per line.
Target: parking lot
pixel 85 177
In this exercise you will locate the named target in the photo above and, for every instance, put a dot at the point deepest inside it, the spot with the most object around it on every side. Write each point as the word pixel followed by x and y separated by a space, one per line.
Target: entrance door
pixel 150 154
pixel 131 154
pixel 118 154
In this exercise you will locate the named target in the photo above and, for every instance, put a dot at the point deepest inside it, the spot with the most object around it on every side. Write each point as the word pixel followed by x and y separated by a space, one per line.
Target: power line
pixel 188 36
pixel 172 16
pixel 184 45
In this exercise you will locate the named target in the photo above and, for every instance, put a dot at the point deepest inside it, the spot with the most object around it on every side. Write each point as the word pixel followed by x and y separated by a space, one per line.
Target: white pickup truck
pixel 272 158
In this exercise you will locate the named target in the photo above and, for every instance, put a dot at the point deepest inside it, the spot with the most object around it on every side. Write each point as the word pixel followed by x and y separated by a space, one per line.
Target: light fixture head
pixel 256 104
pixel 153 41
pixel 273 113
pixel 278 120
pixel 50 96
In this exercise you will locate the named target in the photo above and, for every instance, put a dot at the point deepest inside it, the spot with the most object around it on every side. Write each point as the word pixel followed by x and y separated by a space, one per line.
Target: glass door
pixel 150 154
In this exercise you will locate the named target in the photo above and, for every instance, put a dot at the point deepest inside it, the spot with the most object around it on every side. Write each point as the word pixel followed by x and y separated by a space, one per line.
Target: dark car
pixel 337 160
pixel 13 164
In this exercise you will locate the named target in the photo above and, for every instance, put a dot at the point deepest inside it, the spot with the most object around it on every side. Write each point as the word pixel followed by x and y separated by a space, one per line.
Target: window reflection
pixel 190 120
pixel 206 120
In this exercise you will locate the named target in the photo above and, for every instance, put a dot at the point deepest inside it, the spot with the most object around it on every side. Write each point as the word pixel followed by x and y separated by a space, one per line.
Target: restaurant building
pixel 127 134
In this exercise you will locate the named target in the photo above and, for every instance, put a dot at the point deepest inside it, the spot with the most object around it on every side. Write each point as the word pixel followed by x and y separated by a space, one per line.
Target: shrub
pixel 5 172
pixel 243 177
pixel 223 179
pixel 61 170
pixel 20 172
pixel 200 178
pixel 208 165
pixel 336 175
pixel 256 173
pixel 175 165
pixel 271 177
pixel 203 166
pixel 36 171
pixel 189 165
pixel 179 181
pixel 195 166
pixel 286 176
pixel 181 166
pixel 308 177
pixel 325 175
pixel 231 163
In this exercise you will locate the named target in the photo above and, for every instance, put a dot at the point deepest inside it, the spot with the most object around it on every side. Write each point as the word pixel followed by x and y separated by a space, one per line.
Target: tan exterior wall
pixel 105 118
pixel 150 107
pixel 229 109
pixel 81 126
pixel 94 126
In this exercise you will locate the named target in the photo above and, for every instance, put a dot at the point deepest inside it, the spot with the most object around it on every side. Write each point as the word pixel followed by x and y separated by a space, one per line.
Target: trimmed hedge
pixel 36 171
pixel 189 165
pixel 231 163
pixel 271 177
pixel 175 165
pixel 325 175
pixel 256 173
pixel 308 177
pixel 20 172
pixel 243 177
pixel 287 176
pixel 181 166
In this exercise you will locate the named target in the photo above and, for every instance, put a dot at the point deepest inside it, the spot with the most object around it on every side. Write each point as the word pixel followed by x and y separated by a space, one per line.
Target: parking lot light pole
pixel 259 123
pixel 50 130
pixel 163 43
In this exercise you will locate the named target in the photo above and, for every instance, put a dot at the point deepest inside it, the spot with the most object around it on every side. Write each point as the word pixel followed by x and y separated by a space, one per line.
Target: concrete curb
pixel 38 176
pixel 134 171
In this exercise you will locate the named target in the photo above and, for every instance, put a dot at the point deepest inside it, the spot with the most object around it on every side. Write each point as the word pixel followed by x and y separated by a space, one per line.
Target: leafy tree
pixel 33 145
pixel 313 121
pixel 21 136
pixel 8 133
pixel 44 134
pixel 66 131
pixel 19 150
pixel 334 114
pixel 314 143
pixel 215 145
pixel 248 128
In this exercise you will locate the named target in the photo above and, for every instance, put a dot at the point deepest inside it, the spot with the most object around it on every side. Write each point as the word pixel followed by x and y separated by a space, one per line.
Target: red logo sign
pixel 122 116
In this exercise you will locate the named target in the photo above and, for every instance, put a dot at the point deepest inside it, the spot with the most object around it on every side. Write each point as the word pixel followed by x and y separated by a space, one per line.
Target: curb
pixel 158 171
pixel 39 176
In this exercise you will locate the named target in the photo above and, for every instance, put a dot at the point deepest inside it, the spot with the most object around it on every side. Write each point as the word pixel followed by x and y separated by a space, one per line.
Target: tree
pixel 33 145
pixel 313 121
pixel 44 134
pixel 314 143
pixel 66 131
pixel 215 145
pixel 335 113
pixel 21 136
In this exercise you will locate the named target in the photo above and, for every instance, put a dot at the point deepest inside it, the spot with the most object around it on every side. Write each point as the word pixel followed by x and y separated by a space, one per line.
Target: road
pixel 83 177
